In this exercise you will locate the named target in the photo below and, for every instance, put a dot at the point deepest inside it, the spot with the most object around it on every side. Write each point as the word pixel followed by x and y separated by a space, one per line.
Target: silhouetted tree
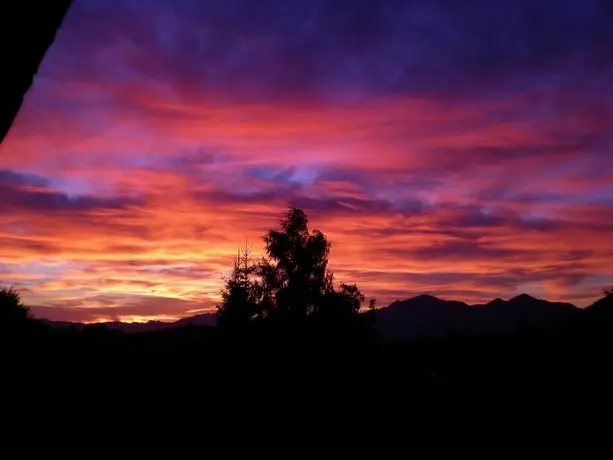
pixel 239 304
pixel 13 313
pixel 15 319
pixel 341 304
pixel 296 263
pixel 291 282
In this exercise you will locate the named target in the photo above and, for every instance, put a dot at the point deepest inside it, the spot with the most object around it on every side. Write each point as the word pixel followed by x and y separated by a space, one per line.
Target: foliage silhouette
pixel 12 310
pixel 291 287
pixel 15 318
pixel 298 258
pixel 239 305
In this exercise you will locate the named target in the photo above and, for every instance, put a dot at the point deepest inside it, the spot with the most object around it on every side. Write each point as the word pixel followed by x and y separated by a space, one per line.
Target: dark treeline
pixel 293 346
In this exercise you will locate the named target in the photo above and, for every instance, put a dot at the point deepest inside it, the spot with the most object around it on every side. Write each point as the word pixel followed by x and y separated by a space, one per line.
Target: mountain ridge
pixel 422 316
pixel 431 317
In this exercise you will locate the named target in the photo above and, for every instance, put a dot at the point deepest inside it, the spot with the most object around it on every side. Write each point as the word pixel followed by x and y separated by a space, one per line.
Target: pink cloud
pixel 143 181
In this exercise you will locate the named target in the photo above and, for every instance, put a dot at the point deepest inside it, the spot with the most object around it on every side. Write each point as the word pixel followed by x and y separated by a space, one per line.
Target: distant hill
pixel 427 316
pixel 424 316
pixel 205 319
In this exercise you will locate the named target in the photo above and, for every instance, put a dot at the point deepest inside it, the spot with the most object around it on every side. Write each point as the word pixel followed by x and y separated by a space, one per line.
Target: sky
pixel 461 149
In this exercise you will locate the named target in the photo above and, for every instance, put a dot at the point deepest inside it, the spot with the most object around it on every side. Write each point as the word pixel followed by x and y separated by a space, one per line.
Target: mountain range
pixel 427 316
pixel 424 316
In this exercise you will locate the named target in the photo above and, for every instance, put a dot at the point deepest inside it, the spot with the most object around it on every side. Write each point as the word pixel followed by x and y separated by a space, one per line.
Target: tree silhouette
pixel 290 283
pixel 340 306
pixel 13 312
pixel 239 305
pixel 297 260
pixel 15 319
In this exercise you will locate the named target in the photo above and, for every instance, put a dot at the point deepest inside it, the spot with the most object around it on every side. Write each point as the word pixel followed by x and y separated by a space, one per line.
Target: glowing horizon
pixel 156 139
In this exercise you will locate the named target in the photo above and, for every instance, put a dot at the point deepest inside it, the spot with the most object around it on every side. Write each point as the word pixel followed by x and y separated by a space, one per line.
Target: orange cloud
pixel 128 200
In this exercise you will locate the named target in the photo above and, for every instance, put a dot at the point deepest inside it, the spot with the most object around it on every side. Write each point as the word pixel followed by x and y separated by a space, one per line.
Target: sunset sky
pixel 461 151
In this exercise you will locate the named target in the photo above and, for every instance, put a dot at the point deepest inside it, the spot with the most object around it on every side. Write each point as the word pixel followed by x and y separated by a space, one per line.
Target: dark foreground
pixel 192 390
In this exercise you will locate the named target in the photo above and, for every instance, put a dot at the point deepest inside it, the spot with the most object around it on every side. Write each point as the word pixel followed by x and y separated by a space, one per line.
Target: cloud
pixel 453 149
pixel 322 49
pixel 31 193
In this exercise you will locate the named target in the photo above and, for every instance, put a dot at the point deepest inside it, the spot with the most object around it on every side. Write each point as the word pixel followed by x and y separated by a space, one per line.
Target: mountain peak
pixel 497 301
pixel 523 297
pixel 424 297
pixel 422 300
